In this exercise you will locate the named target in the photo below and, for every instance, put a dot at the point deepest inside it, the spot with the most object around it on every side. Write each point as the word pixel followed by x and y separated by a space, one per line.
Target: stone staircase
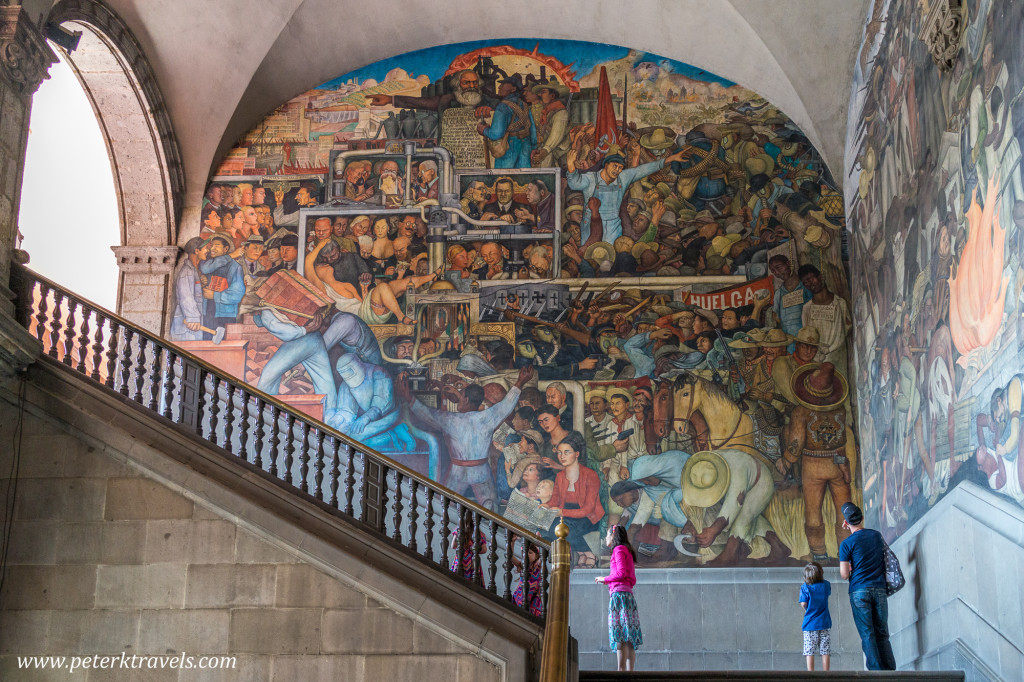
pixel 165 509
pixel 776 675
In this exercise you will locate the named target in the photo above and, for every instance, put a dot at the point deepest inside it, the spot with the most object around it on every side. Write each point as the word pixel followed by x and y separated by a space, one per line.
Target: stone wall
pixel 112 553
pixel 23 66
pixel 961 606
pixel 713 619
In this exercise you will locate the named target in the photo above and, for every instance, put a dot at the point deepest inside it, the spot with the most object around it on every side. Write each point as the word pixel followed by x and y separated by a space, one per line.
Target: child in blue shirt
pixel 814 595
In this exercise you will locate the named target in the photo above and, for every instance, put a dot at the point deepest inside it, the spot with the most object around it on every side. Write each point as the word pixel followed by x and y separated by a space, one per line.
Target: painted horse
pixel 663 420
pixel 725 425
pixel 720 422
pixel 698 403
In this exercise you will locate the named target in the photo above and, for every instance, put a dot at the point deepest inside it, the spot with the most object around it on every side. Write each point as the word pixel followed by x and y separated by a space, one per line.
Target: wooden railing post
pixel 554 657
pixel 374 497
pixel 191 389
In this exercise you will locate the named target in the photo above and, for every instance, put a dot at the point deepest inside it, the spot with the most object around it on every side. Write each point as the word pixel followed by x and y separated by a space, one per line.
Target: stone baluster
pixel 214 408
pixel 83 342
pixel 113 342
pixel 70 331
pixel 41 318
pixel 98 347
pixel 159 354
pixel 414 487
pixel 335 472
pixel 492 556
pixel 275 440
pixel 229 417
pixel 428 525
pixel 304 456
pixel 257 447
pixel 243 431
pixel 465 525
pixel 126 359
pixel 55 327
pixel 172 361
pixel 289 447
pixel 318 466
pixel 445 525
pixel 478 559
pixel 350 479
pixel 140 368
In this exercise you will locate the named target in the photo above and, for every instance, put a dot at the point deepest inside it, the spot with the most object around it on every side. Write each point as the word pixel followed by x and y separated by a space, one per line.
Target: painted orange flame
pixel 978 291
pixel 565 72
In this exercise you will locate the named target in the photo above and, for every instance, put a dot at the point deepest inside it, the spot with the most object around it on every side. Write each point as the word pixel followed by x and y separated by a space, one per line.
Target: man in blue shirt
pixel 225 284
pixel 862 562
pixel 512 119
pixel 608 186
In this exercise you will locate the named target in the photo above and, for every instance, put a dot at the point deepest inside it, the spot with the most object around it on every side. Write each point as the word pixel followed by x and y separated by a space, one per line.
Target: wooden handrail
pixel 266 397
pixel 176 385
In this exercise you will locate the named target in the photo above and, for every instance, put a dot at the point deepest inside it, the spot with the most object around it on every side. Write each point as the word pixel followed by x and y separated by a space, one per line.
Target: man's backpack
pixel 894 580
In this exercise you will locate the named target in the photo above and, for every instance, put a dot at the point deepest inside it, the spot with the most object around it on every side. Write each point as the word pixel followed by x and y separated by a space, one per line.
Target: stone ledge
pixel 18 348
pixel 155 260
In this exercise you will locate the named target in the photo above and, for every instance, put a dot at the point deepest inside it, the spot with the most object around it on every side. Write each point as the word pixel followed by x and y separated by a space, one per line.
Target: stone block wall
pixel 105 559
pixel 713 619
pixel 961 608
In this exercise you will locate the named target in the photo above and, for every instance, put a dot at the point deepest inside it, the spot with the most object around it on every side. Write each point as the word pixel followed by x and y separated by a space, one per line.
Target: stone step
pixel 777 675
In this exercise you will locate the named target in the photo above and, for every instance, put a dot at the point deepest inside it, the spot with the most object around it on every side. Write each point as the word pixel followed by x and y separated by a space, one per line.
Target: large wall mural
pixel 936 202
pixel 553 276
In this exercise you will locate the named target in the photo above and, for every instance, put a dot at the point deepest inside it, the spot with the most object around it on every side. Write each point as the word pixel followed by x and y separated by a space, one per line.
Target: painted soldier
pixel 816 437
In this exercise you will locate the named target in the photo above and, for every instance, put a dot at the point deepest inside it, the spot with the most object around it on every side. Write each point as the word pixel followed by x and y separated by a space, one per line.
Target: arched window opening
pixel 141 154
pixel 68 210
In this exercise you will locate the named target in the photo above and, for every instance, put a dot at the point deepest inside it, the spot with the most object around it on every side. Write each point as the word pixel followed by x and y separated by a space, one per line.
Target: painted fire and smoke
pixel 936 203
pixel 552 276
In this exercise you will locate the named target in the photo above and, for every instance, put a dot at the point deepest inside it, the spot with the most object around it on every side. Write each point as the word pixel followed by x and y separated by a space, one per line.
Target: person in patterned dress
pixel 624 634
pixel 471 559
pixel 534 572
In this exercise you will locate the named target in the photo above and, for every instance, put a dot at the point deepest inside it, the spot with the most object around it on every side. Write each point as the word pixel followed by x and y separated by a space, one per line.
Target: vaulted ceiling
pixel 223 65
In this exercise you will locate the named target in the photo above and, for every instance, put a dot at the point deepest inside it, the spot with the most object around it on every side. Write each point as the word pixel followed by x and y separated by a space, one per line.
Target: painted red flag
pixel 606 129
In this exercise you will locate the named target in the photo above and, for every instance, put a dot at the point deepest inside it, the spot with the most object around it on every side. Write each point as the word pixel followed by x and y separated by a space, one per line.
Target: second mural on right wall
pixel 935 204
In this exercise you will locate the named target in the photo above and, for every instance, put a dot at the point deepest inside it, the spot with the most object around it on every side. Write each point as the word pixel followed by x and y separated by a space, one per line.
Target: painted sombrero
pixel 819 387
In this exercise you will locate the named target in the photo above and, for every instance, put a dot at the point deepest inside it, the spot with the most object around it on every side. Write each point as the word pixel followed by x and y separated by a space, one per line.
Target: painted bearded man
pixel 465 92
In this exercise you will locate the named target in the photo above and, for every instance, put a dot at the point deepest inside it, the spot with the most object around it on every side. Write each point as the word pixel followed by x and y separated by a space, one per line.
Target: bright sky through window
pixel 68 205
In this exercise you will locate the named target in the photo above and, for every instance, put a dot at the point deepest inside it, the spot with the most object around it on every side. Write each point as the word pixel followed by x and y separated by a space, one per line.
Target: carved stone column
pixel 145 284
pixel 24 60
pixel 942 31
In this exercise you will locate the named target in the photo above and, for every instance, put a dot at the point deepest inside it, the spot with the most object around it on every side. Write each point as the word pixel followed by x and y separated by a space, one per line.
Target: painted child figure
pixel 814 594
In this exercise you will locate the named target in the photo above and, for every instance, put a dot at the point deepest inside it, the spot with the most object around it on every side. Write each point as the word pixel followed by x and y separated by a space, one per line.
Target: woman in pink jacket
pixel 624 633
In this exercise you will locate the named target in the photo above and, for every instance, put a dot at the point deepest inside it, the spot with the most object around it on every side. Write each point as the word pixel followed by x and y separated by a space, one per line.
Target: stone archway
pixel 144 156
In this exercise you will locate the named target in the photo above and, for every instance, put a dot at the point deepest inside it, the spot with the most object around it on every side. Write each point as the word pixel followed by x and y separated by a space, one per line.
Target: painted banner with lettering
pixel 733 297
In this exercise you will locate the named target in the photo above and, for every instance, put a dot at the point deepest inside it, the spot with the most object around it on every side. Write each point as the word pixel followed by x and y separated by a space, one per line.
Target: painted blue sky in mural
pixel 434 61
pixel 331 137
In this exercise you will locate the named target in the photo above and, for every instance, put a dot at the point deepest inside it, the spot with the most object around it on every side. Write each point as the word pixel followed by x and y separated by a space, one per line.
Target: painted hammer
pixel 218 335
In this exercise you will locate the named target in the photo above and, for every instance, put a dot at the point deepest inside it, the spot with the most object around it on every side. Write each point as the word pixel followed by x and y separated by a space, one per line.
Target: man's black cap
pixel 852 514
